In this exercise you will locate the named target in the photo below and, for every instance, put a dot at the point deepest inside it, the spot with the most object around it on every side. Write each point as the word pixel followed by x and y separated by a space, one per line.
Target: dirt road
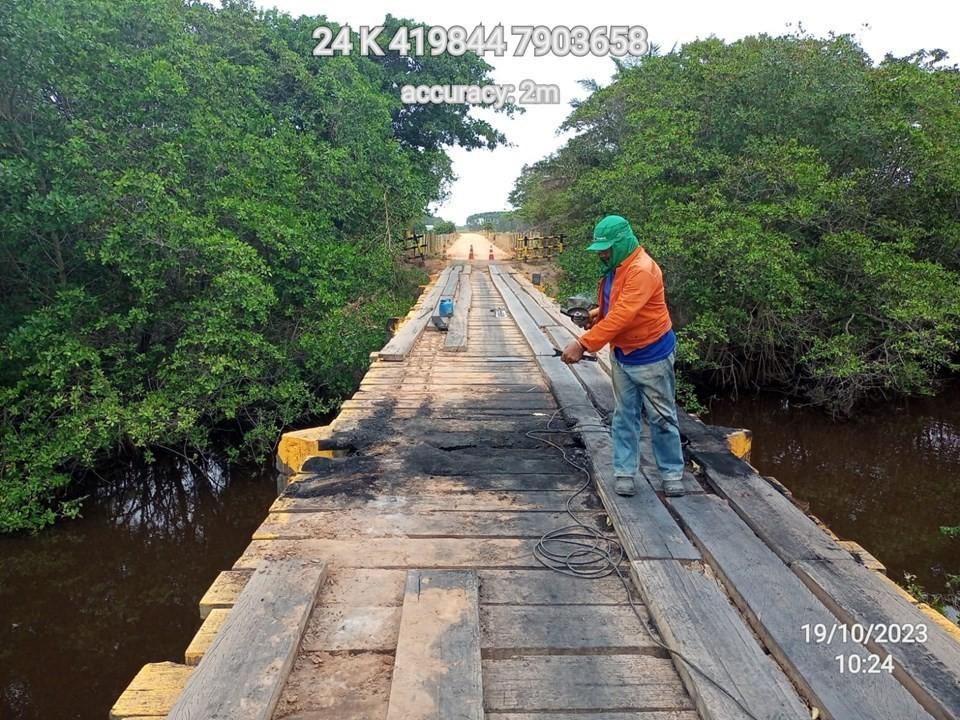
pixel 460 250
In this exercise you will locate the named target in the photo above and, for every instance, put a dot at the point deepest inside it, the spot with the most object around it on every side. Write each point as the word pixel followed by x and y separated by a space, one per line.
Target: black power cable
pixel 581 551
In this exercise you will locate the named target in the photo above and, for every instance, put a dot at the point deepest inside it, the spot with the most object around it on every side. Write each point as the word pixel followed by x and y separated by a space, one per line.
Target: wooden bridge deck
pixel 395 577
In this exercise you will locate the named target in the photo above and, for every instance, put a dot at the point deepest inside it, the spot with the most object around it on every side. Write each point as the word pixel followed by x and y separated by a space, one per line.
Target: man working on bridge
pixel 633 318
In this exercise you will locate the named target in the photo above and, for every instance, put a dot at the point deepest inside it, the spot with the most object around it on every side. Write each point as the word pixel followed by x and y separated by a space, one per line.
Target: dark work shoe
pixel 673 487
pixel 623 485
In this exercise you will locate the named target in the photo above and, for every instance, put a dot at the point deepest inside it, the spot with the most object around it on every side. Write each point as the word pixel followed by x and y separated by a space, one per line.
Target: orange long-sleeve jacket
pixel 638 312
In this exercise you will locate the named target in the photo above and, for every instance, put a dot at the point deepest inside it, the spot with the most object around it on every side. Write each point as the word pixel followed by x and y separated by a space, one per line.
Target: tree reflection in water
pixel 888 479
pixel 84 604
pixel 165 497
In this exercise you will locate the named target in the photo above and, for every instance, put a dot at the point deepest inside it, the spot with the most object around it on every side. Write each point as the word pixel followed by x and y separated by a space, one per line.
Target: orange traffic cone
pixel 491 253
pixel 471 252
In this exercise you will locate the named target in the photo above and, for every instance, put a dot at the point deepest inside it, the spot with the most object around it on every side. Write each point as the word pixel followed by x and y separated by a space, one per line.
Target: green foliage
pixel 193 227
pixel 496 221
pixel 445 226
pixel 800 199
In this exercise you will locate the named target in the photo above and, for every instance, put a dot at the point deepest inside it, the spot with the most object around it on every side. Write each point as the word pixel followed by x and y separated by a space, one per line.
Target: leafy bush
pixel 800 199
pixel 445 226
pixel 193 227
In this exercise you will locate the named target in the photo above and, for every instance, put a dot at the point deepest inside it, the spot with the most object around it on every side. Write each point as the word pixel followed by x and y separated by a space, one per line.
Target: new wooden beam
pixel 436 674
pixel 457 334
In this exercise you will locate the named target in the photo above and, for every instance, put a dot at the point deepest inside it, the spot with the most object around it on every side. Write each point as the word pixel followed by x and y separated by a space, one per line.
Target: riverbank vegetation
pixel 801 199
pixel 199 227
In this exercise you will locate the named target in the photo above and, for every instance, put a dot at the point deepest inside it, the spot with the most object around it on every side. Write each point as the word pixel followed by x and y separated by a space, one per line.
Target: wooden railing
pixel 424 245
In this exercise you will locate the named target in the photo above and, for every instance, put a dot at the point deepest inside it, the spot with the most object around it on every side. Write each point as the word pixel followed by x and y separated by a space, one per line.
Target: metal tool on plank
pixel 591 358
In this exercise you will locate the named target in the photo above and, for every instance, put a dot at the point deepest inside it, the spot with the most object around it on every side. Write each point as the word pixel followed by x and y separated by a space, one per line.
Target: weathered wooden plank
pixel 368 411
pixel 437 672
pixel 576 406
pixel 473 383
pixel 457 335
pixel 507 373
pixel 470 387
pixel 441 387
pixel 508 348
pixel 482 408
pixel 460 361
pixel 244 669
pixel 383 479
pixel 497 336
pixel 781 524
pixel 929 669
pixel 564 683
pixel 778 606
pixel 396 552
pixel 474 386
pixel 204 638
pixel 349 628
pixel 480 500
pixel 503 329
pixel 476 382
pixel 483 436
pixel 526 402
pixel 152 691
pixel 862 555
pixel 656 715
pixel 450 361
pixel 429 460
pixel 532 396
pixel 695 617
pixel 224 591
pixel 539 315
pixel 453 281
pixel 527 629
pixel 537 341
pixel 363 523
pixel 440 427
pixel 545 587
pixel 400 344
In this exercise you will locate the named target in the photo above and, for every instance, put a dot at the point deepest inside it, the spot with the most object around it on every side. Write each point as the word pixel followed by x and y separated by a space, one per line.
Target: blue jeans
pixel 649 389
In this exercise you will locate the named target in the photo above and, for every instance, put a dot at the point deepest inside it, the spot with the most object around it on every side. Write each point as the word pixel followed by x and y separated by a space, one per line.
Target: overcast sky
pixel 486 177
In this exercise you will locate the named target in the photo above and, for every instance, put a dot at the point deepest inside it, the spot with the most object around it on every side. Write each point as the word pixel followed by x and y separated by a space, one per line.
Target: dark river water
pixel 887 479
pixel 85 604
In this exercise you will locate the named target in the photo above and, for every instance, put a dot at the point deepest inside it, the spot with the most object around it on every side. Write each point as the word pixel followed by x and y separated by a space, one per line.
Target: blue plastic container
pixel 446 307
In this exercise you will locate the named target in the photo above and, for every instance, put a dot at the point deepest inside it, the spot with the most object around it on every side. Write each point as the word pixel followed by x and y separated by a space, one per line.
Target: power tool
pixel 577 308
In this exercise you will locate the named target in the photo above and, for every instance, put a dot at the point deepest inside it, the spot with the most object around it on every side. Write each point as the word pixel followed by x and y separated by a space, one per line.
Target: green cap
pixel 608 231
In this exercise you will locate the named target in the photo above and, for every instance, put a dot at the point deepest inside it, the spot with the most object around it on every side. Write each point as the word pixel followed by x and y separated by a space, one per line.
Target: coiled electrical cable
pixel 581 551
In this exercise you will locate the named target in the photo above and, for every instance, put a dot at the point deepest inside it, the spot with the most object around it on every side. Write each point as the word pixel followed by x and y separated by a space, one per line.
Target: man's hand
pixel 592 318
pixel 572 352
